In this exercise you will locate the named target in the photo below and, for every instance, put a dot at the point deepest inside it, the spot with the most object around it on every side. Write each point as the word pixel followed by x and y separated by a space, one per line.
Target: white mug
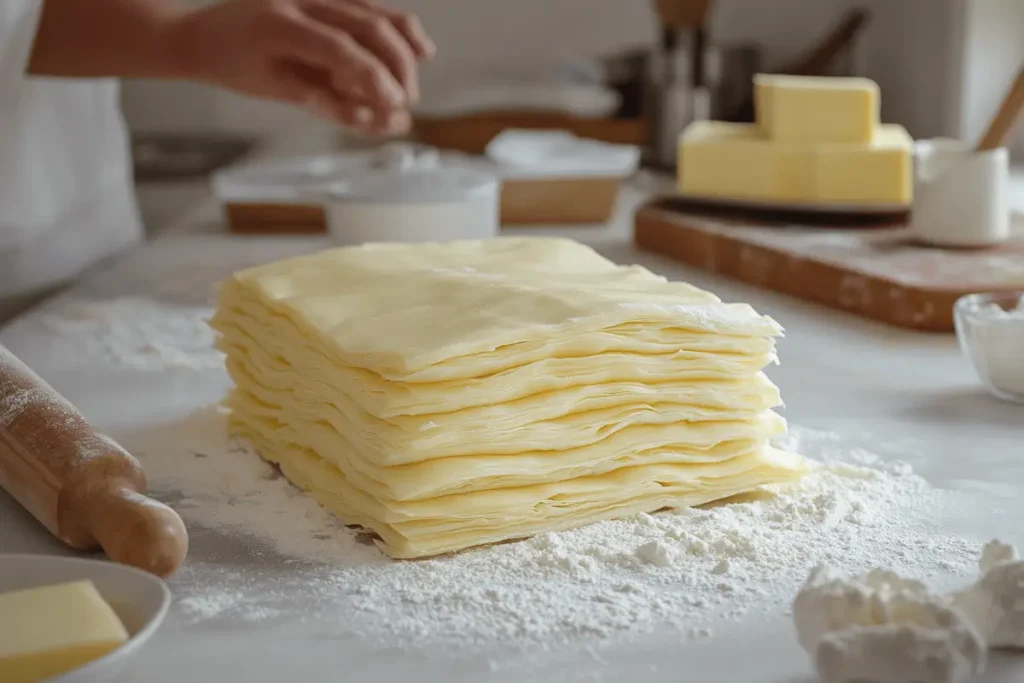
pixel 961 196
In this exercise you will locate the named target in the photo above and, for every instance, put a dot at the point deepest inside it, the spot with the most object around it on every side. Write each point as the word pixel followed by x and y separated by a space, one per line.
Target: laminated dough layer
pixel 451 395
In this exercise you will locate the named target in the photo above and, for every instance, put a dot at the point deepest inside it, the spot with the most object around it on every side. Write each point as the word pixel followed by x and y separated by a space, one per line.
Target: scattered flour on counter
pixel 191 284
pixel 684 570
pixel 137 333
pixel 211 605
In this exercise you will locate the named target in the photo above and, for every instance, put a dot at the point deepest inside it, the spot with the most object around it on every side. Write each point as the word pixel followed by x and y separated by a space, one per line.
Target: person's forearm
pixel 352 61
pixel 100 38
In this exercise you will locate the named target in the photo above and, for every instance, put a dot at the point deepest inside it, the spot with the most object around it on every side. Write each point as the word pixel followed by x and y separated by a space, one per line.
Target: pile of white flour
pixel 136 333
pixel 683 570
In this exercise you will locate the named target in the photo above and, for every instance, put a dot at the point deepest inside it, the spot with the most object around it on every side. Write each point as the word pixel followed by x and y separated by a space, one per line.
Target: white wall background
pixel 993 49
pixel 910 48
pixel 475 36
pixel 907 51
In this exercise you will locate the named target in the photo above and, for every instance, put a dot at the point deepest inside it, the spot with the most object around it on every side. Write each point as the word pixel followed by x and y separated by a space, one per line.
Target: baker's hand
pixel 351 61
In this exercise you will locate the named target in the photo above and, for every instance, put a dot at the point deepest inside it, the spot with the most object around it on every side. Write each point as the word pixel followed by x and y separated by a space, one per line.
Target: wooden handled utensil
pixel 817 60
pixel 680 15
pixel 80 484
pixel 1009 110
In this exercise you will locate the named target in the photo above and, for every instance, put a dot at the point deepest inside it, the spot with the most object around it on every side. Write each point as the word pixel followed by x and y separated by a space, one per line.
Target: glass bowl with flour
pixel 990 327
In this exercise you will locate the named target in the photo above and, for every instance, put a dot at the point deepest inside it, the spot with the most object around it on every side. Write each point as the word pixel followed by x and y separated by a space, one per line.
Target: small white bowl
pixel 140 600
pixel 418 205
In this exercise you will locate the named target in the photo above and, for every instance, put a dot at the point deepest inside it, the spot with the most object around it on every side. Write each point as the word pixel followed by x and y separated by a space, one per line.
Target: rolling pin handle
pixel 136 530
pixel 80 484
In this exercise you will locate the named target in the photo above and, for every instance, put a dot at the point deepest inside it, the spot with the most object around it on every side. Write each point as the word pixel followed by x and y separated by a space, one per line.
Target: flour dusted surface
pixel 686 571
pixel 136 333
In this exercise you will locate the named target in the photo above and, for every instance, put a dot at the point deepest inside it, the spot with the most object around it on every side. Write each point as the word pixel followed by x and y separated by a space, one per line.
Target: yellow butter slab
pixel 816 109
pixel 881 172
pixel 45 632
pixel 732 161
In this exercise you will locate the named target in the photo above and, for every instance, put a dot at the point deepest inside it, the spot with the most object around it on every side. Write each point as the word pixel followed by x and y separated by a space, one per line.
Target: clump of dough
pixel 996 552
pixel 830 602
pixel 995 603
pixel 884 628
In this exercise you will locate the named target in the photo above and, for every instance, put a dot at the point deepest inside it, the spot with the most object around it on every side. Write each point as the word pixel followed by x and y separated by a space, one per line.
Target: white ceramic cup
pixel 960 195
pixel 420 205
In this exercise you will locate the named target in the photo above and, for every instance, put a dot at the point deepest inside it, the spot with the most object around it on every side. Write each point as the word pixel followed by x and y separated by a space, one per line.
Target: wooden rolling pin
pixel 81 485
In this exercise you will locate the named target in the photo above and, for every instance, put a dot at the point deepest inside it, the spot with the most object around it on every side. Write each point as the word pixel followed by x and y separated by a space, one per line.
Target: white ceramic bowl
pixel 299 178
pixel 140 600
pixel 419 205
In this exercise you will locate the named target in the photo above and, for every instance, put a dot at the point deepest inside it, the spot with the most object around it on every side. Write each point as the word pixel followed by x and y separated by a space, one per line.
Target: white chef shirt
pixel 66 198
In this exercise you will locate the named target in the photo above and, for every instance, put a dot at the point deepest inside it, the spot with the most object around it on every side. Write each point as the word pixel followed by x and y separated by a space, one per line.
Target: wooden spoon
pixel 1004 119
pixel 682 15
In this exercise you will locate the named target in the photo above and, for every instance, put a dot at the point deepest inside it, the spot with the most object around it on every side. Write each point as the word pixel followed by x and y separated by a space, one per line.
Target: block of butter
pixel 880 172
pixel 816 109
pixel 47 631
pixel 735 161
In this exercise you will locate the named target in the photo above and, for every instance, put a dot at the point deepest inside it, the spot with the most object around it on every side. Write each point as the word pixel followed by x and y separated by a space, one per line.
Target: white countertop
pixel 867 382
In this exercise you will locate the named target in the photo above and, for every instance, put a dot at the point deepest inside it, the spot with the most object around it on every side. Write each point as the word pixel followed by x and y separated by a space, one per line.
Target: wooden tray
pixel 555 201
pixel 878 273
pixel 558 201
pixel 472 133
pixel 246 218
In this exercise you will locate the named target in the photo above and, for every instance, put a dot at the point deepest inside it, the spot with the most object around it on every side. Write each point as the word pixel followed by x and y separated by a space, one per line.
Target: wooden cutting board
pixel 862 264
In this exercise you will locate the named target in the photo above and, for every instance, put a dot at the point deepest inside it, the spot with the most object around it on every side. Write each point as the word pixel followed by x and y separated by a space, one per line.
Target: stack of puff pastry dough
pixel 451 395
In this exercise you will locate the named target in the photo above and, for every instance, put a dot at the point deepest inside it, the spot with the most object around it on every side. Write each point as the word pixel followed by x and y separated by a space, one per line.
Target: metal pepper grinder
pixel 680 78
